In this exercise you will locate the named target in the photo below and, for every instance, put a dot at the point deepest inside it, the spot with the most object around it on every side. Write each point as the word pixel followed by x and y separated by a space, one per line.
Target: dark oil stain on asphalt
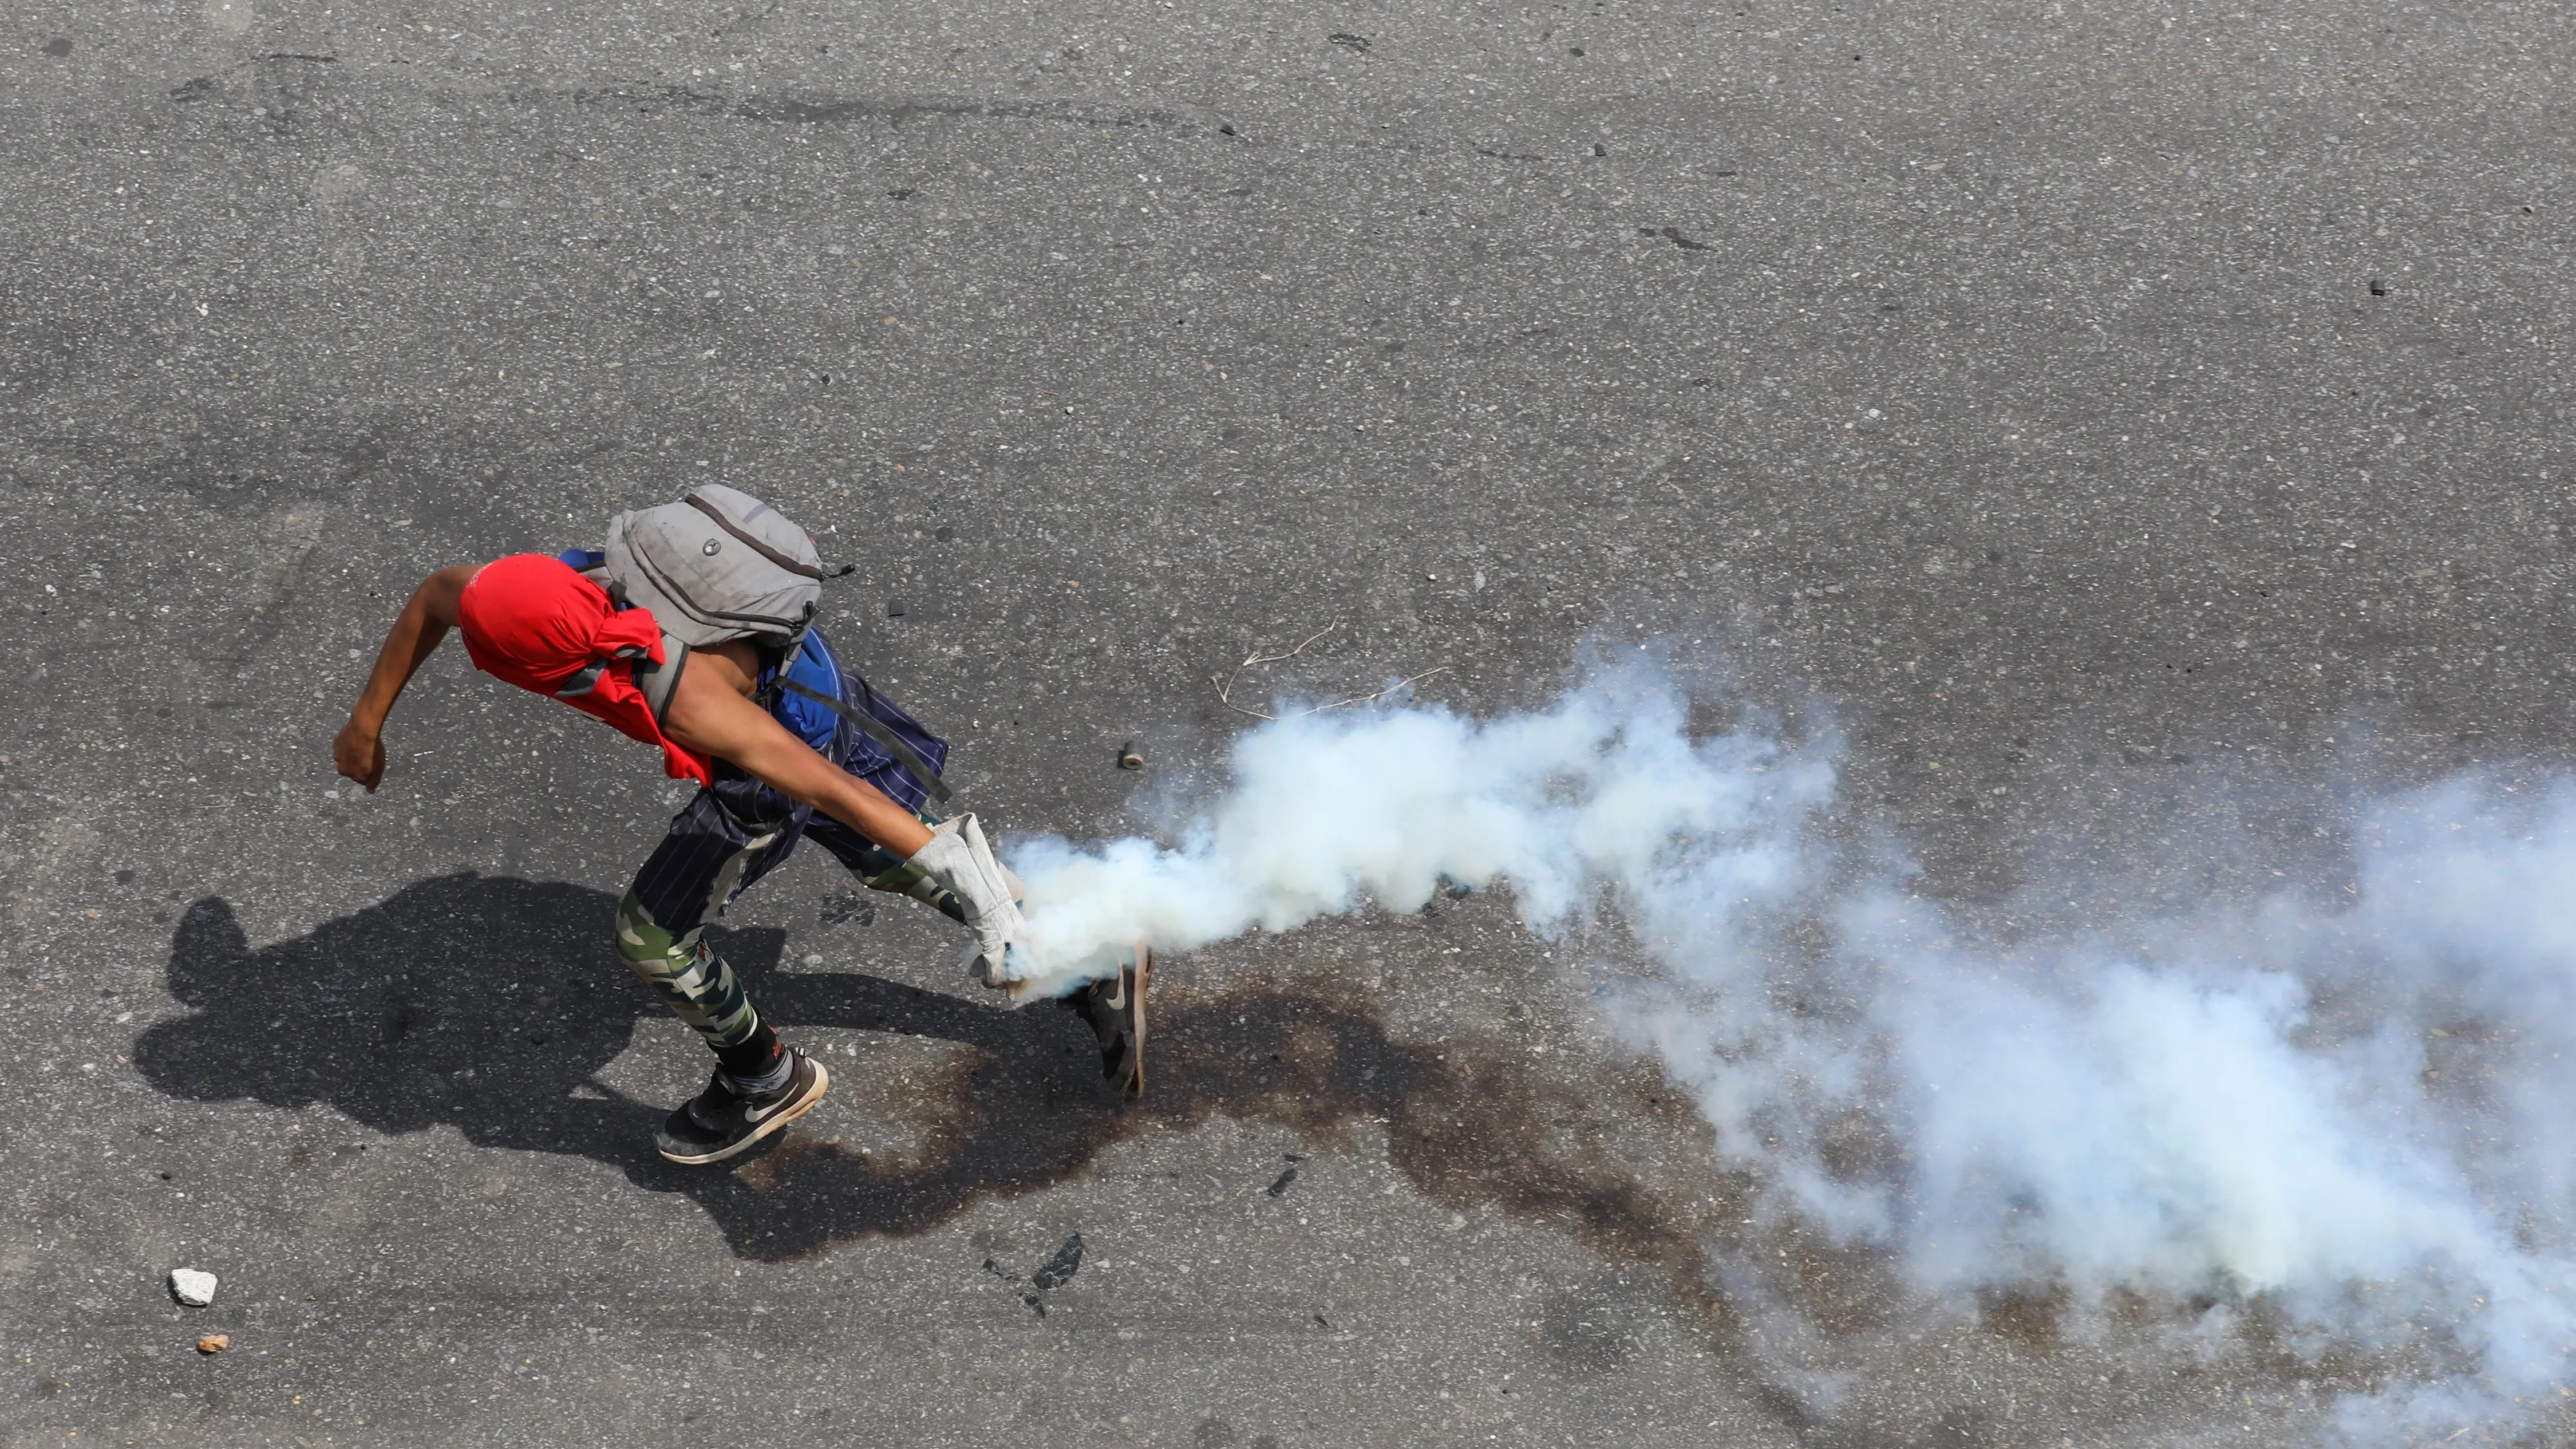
pixel 1059 1270
pixel 1054 1273
pixel 373 1015
pixel 844 907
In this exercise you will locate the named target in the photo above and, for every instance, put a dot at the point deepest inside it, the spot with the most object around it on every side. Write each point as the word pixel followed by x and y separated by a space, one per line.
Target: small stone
pixel 192 1287
pixel 214 1343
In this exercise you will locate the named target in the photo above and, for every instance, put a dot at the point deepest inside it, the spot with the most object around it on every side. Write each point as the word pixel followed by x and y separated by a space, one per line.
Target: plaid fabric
pixel 735 832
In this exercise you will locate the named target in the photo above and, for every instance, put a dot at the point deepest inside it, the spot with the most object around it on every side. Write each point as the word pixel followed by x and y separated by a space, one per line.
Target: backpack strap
pixel 874 728
pixel 776 662
pixel 660 681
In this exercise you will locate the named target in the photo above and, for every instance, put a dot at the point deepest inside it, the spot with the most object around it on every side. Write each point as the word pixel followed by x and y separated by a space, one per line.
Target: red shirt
pixel 531 620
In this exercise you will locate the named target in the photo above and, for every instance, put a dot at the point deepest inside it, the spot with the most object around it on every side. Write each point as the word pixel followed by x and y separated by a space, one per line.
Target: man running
pixel 693 632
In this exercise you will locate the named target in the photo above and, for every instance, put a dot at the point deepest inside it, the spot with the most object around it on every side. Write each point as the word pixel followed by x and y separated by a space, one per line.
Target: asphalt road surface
pixel 2090 408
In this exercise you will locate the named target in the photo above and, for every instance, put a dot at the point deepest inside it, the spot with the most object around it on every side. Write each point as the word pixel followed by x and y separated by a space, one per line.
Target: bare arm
pixel 710 712
pixel 359 751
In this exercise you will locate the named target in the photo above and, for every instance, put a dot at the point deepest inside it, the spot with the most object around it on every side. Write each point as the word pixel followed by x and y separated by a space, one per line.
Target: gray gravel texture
pixel 2100 413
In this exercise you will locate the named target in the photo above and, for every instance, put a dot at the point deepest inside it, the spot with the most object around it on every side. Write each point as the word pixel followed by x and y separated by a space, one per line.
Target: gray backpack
pixel 720 565
pixel 717 565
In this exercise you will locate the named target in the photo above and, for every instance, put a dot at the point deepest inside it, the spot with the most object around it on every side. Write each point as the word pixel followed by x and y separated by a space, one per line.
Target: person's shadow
pixel 491 1004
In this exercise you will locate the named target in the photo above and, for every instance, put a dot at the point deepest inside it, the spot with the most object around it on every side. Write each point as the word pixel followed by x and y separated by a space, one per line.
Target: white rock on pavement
pixel 194 1288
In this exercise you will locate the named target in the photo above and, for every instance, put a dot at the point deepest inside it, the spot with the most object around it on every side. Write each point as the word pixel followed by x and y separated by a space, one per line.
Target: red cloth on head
pixel 531 620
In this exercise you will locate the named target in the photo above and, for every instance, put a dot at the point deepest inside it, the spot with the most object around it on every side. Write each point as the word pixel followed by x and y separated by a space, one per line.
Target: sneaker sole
pixel 1132 1081
pixel 768 1125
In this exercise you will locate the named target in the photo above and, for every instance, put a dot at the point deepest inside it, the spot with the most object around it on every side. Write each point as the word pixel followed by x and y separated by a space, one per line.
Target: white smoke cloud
pixel 1327 809
pixel 2358 1115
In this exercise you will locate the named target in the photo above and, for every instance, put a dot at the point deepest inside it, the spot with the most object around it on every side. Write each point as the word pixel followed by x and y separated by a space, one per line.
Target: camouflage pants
pixel 729 836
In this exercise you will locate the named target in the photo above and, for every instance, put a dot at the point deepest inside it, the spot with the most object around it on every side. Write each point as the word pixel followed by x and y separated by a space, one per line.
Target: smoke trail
pixel 2355 1116
pixel 1327 809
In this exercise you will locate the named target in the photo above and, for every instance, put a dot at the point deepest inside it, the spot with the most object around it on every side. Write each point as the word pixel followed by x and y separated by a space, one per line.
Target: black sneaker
pixel 720 1121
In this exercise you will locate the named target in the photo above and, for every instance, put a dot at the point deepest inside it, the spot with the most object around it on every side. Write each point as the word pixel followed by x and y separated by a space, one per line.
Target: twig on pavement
pixel 1369 698
pixel 1225 686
